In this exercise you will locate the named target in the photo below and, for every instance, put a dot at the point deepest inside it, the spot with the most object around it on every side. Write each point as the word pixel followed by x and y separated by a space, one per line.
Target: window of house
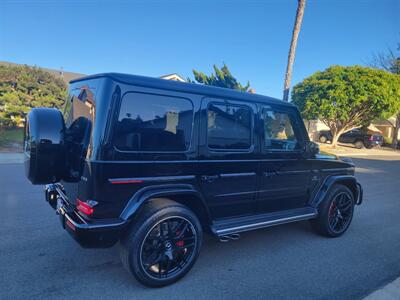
pixel 278 131
pixel 155 123
pixel 229 127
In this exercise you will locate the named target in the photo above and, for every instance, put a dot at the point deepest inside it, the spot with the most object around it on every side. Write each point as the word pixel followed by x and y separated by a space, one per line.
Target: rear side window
pixel 229 127
pixel 154 123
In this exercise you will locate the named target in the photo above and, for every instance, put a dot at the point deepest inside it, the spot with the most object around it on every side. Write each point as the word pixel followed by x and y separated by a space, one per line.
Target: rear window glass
pixel 229 127
pixel 81 103
pixel 155 123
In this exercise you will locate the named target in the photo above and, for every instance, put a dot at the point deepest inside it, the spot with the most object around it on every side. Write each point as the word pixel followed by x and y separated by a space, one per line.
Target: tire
pixel 323 139
pixel 359 144
pixel 369 146
pixel 44 151
pixel 327 212
pixel 174 256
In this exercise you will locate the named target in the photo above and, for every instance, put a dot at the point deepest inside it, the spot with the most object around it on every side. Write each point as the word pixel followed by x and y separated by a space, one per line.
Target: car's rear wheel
pixel 359 144
pixel 323 139
pixel 335 213
pixel 163 243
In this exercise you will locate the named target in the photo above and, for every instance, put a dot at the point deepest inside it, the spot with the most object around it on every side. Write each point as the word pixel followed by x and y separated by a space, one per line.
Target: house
pixel 68 76
pixel 386 127
pixel 64 75
pixel 173 76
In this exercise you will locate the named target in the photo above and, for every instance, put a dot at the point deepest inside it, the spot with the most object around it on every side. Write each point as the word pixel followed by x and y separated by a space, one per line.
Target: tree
pixel 390 62
pixel 344 98
pixel 292 51
pixel 221 78
pixel 23 87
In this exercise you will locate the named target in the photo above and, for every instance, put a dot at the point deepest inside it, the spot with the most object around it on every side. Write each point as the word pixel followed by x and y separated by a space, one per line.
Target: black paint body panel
pixel 221 186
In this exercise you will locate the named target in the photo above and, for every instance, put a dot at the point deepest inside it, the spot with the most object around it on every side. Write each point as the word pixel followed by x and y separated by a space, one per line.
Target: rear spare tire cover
pixel 44 149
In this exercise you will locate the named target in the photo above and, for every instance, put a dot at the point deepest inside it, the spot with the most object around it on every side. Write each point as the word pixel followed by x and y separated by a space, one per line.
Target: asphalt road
pixel 39 260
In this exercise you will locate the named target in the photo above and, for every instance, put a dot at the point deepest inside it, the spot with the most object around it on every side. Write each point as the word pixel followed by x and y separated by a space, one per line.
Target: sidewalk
pixel 342 150
pixel 388 292
pixel 11 158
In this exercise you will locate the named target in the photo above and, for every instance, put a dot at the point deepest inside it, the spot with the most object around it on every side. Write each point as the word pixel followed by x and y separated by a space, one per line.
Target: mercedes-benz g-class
pixel 152 164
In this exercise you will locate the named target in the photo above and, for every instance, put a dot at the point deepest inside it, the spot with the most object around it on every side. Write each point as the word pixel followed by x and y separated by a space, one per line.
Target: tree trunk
pixel 336 133
pixel 396 132
pixel 335 138
pixel 292 51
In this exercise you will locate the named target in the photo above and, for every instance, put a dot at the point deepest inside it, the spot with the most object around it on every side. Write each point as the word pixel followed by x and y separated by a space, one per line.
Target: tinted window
pixel 81 103
pixel 278 131
pixel 154 123
pixel 229 127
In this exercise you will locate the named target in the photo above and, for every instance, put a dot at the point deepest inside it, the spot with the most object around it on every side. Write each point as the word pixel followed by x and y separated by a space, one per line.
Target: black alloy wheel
pixel 335 213
pixel 340 212
pixel 168 247
pixel 162 243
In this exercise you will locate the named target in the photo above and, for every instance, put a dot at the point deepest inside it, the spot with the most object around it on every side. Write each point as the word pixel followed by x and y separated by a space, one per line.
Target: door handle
pixel 209 178
pixel 270 174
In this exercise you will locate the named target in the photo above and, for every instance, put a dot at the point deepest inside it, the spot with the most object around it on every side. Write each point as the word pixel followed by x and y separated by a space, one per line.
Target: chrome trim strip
pixel 338 169
pixel 292 172
pixel 231 175
pixel 256 160
pixel 265 224
pixel 153 179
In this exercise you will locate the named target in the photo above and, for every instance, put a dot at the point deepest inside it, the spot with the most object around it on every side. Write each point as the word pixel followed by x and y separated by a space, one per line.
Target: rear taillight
pixel 87 207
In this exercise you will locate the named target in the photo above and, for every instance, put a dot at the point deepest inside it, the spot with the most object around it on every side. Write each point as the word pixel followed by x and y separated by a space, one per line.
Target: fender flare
pixel 347 180
pixel 156 191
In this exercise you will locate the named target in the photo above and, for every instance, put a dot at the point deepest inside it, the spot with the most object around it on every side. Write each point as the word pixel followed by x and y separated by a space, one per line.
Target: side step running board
pixel 226 230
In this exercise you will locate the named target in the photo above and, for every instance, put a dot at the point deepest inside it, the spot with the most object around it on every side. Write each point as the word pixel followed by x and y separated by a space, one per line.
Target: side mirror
pixel 312 148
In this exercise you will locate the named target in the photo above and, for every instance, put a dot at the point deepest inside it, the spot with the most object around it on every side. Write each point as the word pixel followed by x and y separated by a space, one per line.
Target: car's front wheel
pixel 163 243
pixel 335 213
pixel 323 139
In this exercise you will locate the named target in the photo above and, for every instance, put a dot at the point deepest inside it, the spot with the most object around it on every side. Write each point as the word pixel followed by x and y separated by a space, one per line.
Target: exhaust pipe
pixel 229 237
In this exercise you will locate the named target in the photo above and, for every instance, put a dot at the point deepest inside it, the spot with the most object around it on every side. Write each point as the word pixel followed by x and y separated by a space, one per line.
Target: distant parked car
pixel 360 138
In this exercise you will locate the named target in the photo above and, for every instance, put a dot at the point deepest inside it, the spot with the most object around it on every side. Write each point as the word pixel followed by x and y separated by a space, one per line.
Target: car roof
pixel 185 87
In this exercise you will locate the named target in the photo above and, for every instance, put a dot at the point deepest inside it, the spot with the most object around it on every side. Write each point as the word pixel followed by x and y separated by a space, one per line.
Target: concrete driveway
pixel 40 261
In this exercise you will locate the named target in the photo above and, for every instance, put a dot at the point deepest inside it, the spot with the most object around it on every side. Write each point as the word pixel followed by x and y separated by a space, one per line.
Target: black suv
pixel 152 164
pixel 359 137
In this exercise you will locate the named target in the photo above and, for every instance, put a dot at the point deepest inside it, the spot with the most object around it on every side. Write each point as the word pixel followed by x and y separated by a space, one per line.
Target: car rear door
pixel 284 177
pixel 227 157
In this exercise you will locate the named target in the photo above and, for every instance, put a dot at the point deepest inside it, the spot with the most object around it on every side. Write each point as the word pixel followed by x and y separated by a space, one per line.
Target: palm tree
pixel 292 51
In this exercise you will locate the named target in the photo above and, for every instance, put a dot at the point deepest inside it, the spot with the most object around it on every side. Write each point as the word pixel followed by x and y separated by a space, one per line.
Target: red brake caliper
pixel 179 243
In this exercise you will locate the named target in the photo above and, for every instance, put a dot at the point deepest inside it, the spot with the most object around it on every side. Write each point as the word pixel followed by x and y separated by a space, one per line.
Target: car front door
pixel 284 176
pixel 228 163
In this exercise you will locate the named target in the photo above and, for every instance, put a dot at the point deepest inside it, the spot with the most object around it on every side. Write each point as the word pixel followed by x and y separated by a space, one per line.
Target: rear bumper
pixel 377 143
pixel 94 234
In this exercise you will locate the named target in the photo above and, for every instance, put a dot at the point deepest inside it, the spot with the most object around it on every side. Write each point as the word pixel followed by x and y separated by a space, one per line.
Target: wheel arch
pixel 346 180
pixel 184 194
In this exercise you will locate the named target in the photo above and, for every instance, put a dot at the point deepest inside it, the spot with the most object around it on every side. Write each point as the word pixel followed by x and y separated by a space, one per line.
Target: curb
pixel 390 291
pixel 11 158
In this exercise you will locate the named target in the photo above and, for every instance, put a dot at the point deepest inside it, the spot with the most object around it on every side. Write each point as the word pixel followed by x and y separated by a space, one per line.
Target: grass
pixel 11 139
